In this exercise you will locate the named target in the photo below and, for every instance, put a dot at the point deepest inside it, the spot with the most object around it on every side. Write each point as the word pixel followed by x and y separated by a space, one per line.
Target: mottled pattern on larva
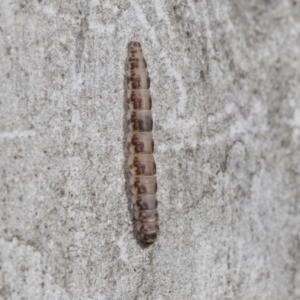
pixel 141 163
pixel 140 142
pixel 139 99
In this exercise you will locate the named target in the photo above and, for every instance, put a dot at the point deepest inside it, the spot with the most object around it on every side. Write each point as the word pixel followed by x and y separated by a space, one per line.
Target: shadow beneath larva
pixel 125 167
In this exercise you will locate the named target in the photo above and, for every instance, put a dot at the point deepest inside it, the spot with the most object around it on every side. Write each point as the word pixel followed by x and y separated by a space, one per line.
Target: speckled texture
pixel 225 80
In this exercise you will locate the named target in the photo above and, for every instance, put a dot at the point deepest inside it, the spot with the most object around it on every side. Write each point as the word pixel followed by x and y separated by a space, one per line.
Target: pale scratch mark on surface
pixel 172 70
pixel 143 20
pixel 192 6
pixel 182 90
pixel 17 134
pixel 162 15
pixel 160 10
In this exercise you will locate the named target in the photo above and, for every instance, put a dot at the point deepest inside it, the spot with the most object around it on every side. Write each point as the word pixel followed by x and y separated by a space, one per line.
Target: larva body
pixel 141 162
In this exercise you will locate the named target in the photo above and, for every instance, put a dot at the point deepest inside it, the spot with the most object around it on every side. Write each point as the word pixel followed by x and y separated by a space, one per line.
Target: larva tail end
pixel 149 238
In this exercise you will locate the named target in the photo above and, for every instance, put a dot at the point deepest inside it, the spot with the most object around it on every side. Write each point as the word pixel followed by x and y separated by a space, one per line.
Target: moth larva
pixel 141 162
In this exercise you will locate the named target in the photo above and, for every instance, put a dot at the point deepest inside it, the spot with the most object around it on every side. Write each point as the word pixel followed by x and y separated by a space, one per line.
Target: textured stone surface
pixel 225 86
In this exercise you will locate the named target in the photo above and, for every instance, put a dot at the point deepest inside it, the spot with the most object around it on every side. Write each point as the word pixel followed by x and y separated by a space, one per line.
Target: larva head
pixel 136 59
pixel 134 44
pixel 149 238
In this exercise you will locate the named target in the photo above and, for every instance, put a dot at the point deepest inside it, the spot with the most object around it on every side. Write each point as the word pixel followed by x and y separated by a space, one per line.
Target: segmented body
pixel 141 162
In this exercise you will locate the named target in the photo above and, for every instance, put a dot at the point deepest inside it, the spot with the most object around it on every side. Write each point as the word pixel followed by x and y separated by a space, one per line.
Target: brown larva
pixel 141 162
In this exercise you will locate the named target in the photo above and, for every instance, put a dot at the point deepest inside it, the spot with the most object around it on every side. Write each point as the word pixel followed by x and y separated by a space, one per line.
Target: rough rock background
pixel 226 104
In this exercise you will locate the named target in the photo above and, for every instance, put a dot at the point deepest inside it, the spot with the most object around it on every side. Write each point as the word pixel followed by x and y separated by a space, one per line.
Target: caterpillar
pixel 141 163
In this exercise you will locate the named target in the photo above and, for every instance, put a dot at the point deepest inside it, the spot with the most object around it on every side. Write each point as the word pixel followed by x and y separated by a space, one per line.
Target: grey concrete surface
pixel 225 83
